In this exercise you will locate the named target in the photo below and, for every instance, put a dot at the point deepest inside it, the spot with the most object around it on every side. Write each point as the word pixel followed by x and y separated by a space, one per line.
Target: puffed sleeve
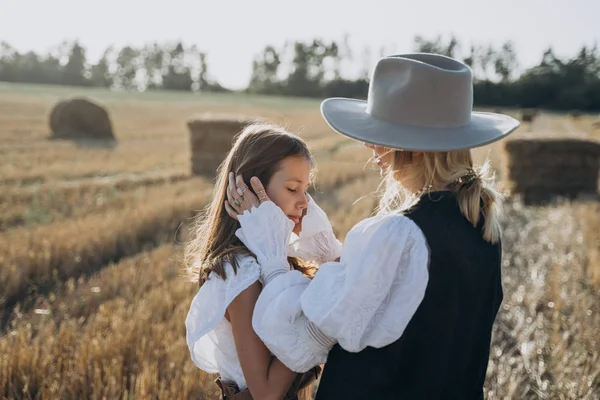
pixel 366 299
pixel 209 306
pixel 317 241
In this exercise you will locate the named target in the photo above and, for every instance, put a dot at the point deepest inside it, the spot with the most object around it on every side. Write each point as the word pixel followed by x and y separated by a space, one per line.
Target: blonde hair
pixel 452 170
pixel 258 151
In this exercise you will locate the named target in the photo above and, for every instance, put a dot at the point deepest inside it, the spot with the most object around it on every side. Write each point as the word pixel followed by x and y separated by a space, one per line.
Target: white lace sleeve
pixel 266 232
pixel 370 296
pixel 279 322
pixel 316 242
pixel 320 248
pixel 366 299
pixel 208 309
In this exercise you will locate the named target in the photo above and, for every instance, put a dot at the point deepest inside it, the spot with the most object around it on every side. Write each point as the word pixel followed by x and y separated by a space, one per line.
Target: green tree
pixel 75 69
pixel 127 68
pixel 437 46
pixel 265 70
pixel 100 74
pixel 178 75
pixel 505 61
pixel 9 70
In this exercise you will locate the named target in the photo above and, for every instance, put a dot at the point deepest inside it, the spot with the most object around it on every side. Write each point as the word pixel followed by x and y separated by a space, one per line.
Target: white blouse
pixel 208 333
pixel 366 299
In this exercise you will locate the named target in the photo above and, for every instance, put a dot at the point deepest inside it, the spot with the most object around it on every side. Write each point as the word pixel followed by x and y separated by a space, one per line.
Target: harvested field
pixel 91 295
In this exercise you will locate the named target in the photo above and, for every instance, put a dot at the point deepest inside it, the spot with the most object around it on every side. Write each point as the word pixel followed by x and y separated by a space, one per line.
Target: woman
pixel 219 330
pixel 407 312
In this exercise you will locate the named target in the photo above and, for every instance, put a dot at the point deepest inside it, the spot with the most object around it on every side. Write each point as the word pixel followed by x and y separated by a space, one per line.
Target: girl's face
pixel 288 187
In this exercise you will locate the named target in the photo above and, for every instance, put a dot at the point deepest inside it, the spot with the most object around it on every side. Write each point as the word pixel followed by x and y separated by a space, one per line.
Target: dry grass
pixel 47 161
pixel 36 260
pixel 120 336
pixel 152 136
pixel 45 203
pixel 546 343
pixel 589 218
pixel 107 321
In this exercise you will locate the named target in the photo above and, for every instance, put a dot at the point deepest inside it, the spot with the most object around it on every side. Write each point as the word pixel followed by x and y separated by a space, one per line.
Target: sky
pixel 232 32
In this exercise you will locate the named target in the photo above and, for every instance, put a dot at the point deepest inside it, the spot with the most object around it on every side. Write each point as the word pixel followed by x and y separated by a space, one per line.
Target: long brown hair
pixel 477 197
pixel 258 151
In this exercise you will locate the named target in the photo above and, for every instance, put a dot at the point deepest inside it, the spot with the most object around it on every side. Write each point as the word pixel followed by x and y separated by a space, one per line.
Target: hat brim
pixel 350 118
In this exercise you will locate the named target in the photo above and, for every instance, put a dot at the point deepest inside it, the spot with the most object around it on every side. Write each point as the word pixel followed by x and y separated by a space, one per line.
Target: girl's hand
pixel 240 199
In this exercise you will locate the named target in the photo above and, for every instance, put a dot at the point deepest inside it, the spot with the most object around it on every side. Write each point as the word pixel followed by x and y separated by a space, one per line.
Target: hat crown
pixel 421 89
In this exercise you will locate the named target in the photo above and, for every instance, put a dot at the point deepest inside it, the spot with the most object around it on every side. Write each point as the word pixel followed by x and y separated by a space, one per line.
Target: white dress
pixel 365 299
pixel 208 333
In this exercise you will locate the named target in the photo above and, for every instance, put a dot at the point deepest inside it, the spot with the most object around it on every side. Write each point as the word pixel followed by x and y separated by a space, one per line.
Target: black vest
pixel 444 351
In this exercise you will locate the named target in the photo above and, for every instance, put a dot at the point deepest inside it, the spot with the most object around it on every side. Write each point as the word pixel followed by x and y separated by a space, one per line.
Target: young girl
pixel 219 329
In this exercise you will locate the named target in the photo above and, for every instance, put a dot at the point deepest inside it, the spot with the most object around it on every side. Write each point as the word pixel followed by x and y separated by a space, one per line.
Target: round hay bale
pixel 211 137
pixel 55 116
pixel 80 118
pixel 540 170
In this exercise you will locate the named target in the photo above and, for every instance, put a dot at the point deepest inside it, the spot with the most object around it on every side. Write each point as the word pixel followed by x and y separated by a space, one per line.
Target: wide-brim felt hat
pixel 418 102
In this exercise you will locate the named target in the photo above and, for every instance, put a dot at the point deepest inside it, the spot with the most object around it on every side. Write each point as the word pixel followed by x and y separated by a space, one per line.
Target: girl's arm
pixel 266 376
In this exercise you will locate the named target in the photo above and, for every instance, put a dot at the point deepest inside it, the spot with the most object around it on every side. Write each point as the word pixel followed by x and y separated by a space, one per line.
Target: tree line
pixel 313 69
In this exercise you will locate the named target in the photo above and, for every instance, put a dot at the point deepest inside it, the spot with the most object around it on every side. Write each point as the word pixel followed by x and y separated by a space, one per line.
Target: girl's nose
pixel 304 201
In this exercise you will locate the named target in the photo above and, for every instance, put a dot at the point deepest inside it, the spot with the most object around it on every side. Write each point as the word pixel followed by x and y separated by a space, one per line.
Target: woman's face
pixel 288 187
pixel 383 156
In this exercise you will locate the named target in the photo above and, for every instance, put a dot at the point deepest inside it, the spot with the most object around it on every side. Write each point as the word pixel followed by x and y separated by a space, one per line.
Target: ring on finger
pixel 242 190
pixel 237 201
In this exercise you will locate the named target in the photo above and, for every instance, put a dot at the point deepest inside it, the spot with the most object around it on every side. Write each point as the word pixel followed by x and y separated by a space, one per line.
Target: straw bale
pixel 540 170
pixel 80 118
pixel 211 137
pixel 560 147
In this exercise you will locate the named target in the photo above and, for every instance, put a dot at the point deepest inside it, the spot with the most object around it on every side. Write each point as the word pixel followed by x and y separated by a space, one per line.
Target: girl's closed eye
pixel 295 190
